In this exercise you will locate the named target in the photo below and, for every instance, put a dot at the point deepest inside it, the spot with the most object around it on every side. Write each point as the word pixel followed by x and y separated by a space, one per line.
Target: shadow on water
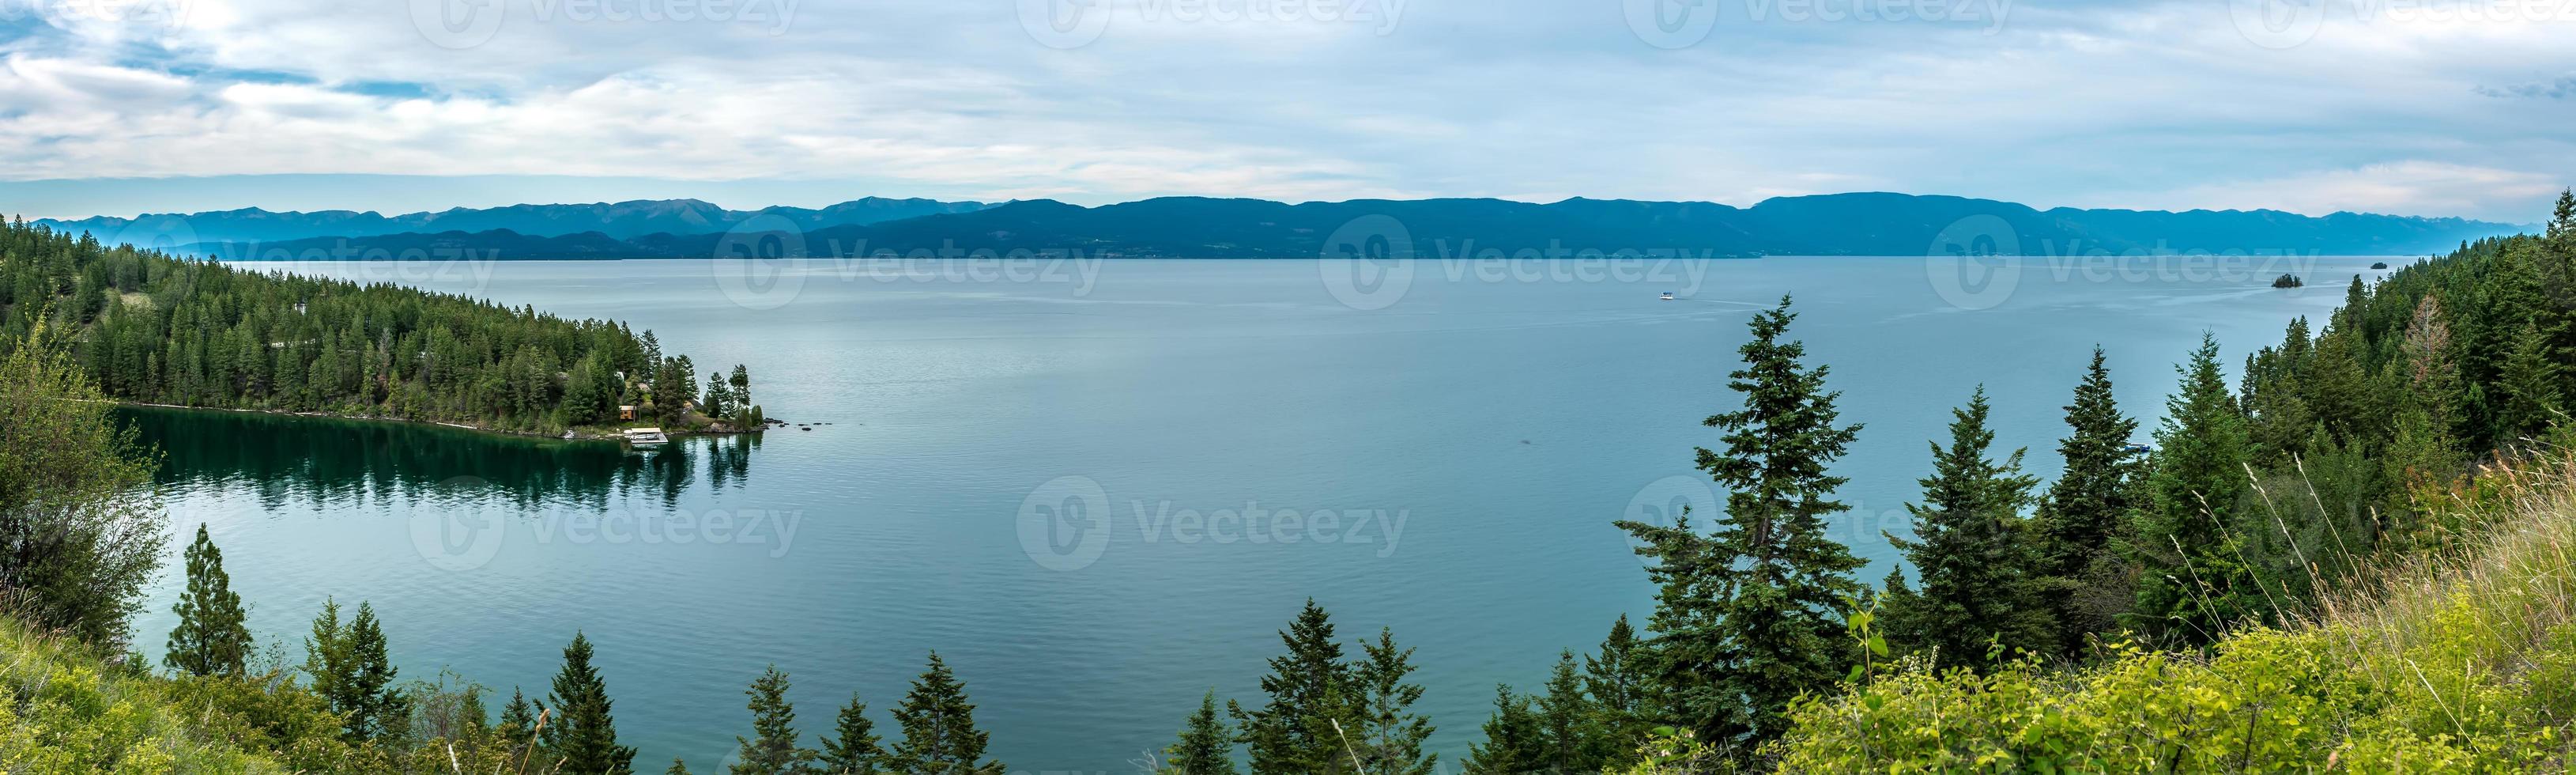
pixel 318 461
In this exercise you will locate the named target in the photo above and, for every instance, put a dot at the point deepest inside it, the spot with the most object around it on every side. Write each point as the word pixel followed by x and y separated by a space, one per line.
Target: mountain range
pixel 1199 227
pixel 617 220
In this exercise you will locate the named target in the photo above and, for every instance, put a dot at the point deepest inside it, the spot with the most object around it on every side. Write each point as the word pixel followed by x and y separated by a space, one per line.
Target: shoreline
pixel 570 435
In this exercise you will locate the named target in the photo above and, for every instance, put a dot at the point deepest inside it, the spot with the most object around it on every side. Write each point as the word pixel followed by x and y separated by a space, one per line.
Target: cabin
pixel 625 411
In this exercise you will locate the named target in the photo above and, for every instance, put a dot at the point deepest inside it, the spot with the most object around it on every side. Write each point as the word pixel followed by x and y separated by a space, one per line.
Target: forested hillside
pixel 154 329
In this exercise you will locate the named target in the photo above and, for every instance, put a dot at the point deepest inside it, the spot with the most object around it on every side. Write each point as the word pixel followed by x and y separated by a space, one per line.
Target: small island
pixel 2288 281
pixel 152 328
pixel 2379 265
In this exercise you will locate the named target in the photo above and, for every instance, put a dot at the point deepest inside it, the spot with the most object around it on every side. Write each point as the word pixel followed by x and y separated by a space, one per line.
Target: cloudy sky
pixel 2428 107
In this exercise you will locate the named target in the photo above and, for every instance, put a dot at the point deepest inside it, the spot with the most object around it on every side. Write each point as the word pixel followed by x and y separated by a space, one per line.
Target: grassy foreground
pixel 70 711
pixel 2462 659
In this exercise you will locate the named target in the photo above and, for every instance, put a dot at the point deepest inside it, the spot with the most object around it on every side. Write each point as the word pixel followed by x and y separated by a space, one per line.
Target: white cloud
pixel 2165 104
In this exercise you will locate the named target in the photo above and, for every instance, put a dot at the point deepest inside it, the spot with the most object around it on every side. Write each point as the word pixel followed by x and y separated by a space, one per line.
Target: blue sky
pixel 2426 107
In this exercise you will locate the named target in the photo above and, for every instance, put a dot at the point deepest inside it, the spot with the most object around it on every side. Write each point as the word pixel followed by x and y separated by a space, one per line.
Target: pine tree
pixel 1515 740
pixel 677 767
pixel 939 735
pixel 773 750
pixel 212 637
pixel 1969 551
pixel 582 732
pixel 1292 734
pixel 350 670
pixel 1616 679
pixel 2192 583
pixel 1574 734
pixel 1205 747
pixel 518 725
pixel 1748 616
pixel 719 397
pixel 1387 738
pixel 2530 382
pixel 2086 507
pixel 853 749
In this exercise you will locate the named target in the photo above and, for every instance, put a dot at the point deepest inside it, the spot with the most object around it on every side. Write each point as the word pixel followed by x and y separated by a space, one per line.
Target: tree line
pixel 150 327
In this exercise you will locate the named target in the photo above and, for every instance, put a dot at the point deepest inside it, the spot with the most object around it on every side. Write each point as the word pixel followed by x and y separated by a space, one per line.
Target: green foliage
pixel 772 749
pixel 2459 663
pixel 939 734
pixel 211 637
pixel 1388 735
pixel 350 670
pixel 1292 732
pixel 2192 584
pixel 1972 551
pixel 853 748
pixel 80 532
pixel 1205 746
pixel 582 733
pixel 1745 618
pixel 158 329
pixel 1515 739
pixel 2084 510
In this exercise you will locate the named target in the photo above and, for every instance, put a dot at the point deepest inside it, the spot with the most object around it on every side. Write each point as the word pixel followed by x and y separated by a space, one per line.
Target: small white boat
pixel 646 437
pixel 1668 295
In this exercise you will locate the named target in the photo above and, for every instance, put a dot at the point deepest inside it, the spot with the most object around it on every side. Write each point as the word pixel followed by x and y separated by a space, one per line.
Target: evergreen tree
pixel 773 750
pixel 939 735
pixel 350 670
pixel 1575 742
pixel 582 732
pixel 741 382
pixel 2530 383
pixel 719 397
pixel 518 725
pixel 212 637
pixel 1970 552
pixel 853 749
pixel 1205 747
pixel 1748 616
pixel 1616 679
pixel 1387 738
pixel 1291 734
pixel 677 767
pixel 2192 582
pixel 1516 741
pixel 2086 506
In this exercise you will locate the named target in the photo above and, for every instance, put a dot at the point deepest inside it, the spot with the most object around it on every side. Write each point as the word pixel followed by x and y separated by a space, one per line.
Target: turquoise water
pixel 1471 434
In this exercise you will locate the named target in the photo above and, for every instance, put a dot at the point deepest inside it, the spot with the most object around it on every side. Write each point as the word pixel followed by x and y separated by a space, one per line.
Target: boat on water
pixel 646 437
pixel 1668 295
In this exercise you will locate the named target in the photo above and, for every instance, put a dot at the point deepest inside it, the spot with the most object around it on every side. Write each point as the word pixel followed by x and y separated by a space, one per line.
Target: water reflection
pixel 313 461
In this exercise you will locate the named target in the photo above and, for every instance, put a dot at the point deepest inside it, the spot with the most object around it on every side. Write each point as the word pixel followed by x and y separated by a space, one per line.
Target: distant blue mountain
pixel 1197 227
pixel 618 220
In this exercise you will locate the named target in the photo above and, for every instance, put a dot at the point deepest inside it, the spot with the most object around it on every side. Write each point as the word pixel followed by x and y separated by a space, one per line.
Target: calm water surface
pixel 1472 440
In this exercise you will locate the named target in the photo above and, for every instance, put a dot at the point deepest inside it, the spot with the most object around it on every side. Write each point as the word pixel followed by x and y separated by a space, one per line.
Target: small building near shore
pixel 625 411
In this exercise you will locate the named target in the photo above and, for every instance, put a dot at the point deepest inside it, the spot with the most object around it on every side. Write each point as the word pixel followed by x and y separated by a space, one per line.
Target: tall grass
pixel 2458 655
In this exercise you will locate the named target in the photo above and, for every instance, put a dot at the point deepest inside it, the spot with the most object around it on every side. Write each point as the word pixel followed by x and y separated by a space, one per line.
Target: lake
pixel 1440 450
